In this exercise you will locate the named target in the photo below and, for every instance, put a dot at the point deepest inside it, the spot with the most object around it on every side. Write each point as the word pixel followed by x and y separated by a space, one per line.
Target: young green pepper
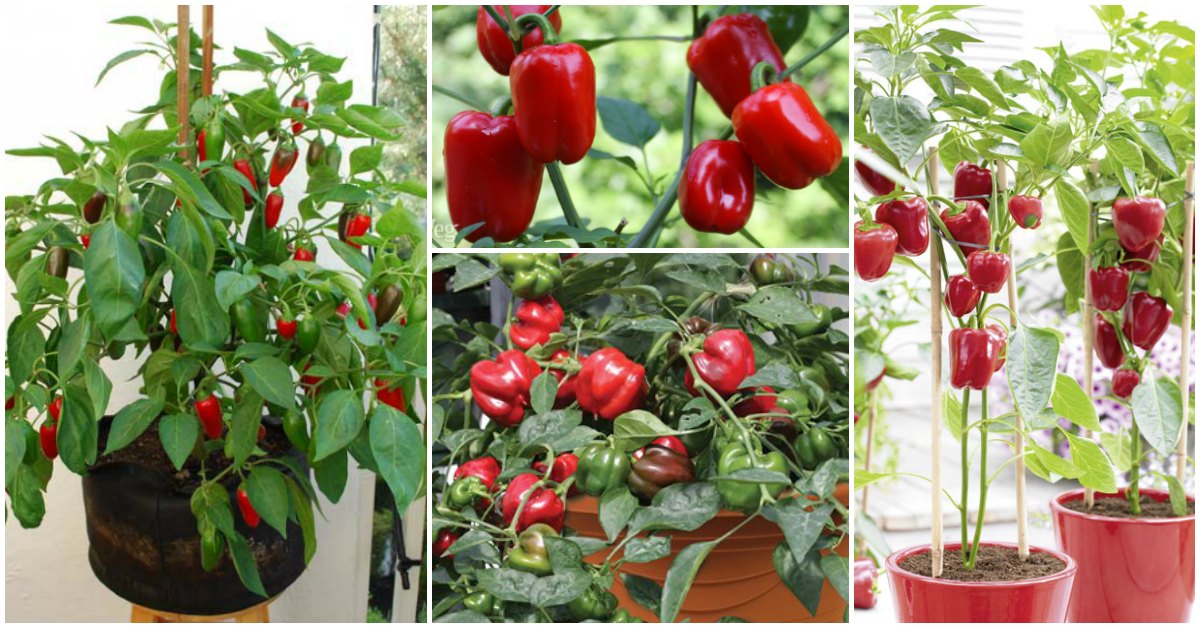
pixel 593 604
pixel 533 274
pixel 746 496
pixel 482 602
pixel 600 468
pixel 529 555
pixel 465 492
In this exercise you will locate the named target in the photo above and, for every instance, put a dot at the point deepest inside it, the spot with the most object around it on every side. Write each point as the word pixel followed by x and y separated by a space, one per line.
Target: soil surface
pixel 1119 507
pixel 994 564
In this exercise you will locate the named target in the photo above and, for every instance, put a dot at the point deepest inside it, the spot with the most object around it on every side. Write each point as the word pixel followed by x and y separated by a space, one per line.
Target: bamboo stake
pixel 1185 354
pixel 1089 332
pixel 183 79
pixel 1019 433
pixel 207 84
pixel 935 352
pixel 871 406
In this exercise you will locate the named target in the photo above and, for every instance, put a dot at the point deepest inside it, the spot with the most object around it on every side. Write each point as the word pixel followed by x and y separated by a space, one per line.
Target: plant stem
pixel 815 53
pixel 966 474
pixel 1134 492
pixel 660 214
pixel 459 97
pixel 564 195
pixel 983 482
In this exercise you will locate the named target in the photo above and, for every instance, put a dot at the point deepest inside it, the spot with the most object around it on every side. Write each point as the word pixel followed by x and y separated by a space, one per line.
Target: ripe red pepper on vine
pixel 442 543
pixel 724 56
pixel 243 166
pixel 501 386
pixel 1146 320
pixel 961 295
pixel 972 182
pixel 486 469
pixel 536 320
pixel 972 358
pixel 490 178
pixel 876 183
pixel 1110 287
pixel 1124 380
pixel 910 218
pixel 249 514
pixel 299 101
pixel 495 44
pixel 874 247
pixel 1138 221
pixel 988 270
pixel 541 505
pixel 208 410
pixel 1026 211
pixel 273 209
pixel 970 225
pixel 1106 343
pixel 727 359
pixel 716 194
pixel 565 395
pixel 554 96
pixel 609 384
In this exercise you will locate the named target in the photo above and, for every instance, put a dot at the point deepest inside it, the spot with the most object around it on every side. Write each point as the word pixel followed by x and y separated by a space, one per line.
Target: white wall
pixel 53 53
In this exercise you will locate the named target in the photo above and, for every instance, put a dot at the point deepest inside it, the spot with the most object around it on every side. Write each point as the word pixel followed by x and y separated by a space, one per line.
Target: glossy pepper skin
pixel 657 469
pixel 874 248
pixel 1138 221
pixel 910 218
pixel 561 470
pixel 999 337
pixel 442 543
pixel 971 226
pixel 529 554
pixel 536 320
pixel 1146 319
pixel 1106 343
pixel 716 194
pixel 600 468
pixel 485 469
pixel 501 386
pixel 299 101
pixel 208 410
pixel 490 178
pixel 972 358
pixel 390 395
pixel 295 427
pixel 286 328
pixel 302 254
pixel 358 225
pixel 760 401
pixel 1124 381
pixel 273 209
pixel 1110 287
pixel 565 395
pixel 249 320
pixel 786 137
pixel 482 602
pixel 864 583
pixel 243 166
pixel 876 184
pixel 814 447
pixel 58 261
pixel 93 208
pixel 746 496
pixel 542 505
pixel 726 361
pixel 988 270
pixel 724 56
pixel 610 384
pixel 533 274
pixel 1026 211
pixel 767 270
pixel 622 616
pixel 496 46
pixel 282 162
pixel 554 100
pixel 48 437
pixel 315 155
pixel 961 295
pixel 249 514
pixel 972 182
pixel 308 334
pixel 210 142
pixel 1139 260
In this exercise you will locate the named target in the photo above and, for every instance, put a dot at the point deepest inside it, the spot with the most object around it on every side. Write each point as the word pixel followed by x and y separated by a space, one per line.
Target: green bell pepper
pixel 593 604
pixel 622 616
pixel 746 496
pixel 465 491
pixel 483 603
pixel 814 447
pixel 600 468
pixel 529 555
pixel 533 274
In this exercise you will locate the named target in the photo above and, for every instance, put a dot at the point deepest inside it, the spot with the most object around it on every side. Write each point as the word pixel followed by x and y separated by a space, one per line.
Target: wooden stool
pixel 252 615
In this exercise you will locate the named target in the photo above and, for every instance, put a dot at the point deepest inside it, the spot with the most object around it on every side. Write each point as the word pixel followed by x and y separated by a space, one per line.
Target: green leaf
pixel 304 514
pixel 113 275
pixel 243 562
pixel 131 422
pixel 339 419
pixel 805 578
pixel 1095 470
pixel 636 428
pixel 1031 368
pixel 72 345
pixel 837 570
pixel 201 321
pixel 1158 413
pixel 365 158
pixel 982 83
pixel 399 451
pixel 118 60
pixel 14 448
pixel 331 474
pixel 1071 403
pixel 627 122
pixel 903 123
pixel 268 492
pixel 617 505
pixel 190 189
pixel 243 427
pixel 801 523
pixel 178 433
pixel 1047 143
pixel 78 434
pixel 272 379
pixel 680 576
pixel 1074 207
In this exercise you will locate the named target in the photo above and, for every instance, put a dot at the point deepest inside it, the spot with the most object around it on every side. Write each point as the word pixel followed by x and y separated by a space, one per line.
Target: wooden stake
pixel 872 405
pixel 183 67
pixel 1019 432
pixel 1185 353
pixel 207 84
pixel 935 353
pixel 1089 332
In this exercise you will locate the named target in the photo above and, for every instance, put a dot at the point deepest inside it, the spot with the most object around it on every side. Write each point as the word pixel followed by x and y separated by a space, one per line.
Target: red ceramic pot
pixel 929 600
pixel 1130 570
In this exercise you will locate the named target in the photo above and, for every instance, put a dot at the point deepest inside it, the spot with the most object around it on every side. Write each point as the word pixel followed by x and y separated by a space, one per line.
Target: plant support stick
pixel 183 66
pixel 1089 331
pixel 935 413
pixel 1019 432
pixel 1185 320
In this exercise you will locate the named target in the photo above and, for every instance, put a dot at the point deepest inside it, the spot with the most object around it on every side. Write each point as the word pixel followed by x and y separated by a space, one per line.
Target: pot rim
pixel 893 567
pixel 1056 506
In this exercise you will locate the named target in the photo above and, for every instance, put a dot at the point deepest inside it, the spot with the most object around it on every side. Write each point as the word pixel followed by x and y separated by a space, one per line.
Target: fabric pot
pixel 737 580
pixel 145 548
pixel 1130 570
pixel 934 600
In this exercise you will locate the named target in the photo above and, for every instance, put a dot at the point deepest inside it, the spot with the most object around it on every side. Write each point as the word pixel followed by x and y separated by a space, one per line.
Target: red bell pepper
pixel 48 436
pixel 542 505
pixel 286 328
pixel 208 410
pixel 961 295
pixel 501 386
pixel 496 46
pixel 273 209
pixel 1026 211
pixel 1124 381
pixel 876 184
pixel 442 543
pixel 243 166
pixel 1138 221
pixel 716 194
pixel 358 225
pixel 283 161
pixel 486 469
pixel 972 182
pixel 727 360
pixel 971 225
pixel 724 57
pixel 1106 343
pixel 864 583
pixel 972 358
pixel 610 384
pixel 1139 260
pixel 565 395
pixel 1146 319
pixel 670 442
pixel 554 97
pixel 536 320
pixel 249 514
pixel 391 395
pixel 490 179
pixel 563 468
pixel 988 270
pixel 874 248
pixel 300 101
pixel 302 254
pixel 1110 287
pixel 761 401
pixel 785 135
pixel 910 218
pixel 999 337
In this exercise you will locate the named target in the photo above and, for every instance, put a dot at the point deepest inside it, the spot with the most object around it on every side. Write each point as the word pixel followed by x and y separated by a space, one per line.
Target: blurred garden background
pixel 650 70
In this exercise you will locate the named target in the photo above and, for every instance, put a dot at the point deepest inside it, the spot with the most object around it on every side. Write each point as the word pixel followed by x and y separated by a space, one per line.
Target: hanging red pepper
pixel 48 436
pixel 610 384
pixel 1138 221
pixel 876 183
pixel 961 295
pixel 490 179
pixel 999 337
pixel 554 97
pixel 536 320
pixel 988 270
pixel 563 468
pixel 971 225
pixel 496 46
pixel 243 166
pixel 1146 319
pixel 716 194
pixel 1026 211
pixel 208 410
pixel 55 408
pixel 565 395
pixel 174 322
pixel 910 218
pixel 501 386
pixel 86 240
pixel 358 225
pixel 727 360
pixel 286 328
pixel 972 182
pixel 249 514
pixel 874 248
pixel 273 209
pixel 864 583
pixel 1124 381
pixel 391 395
pixel 300 101
pixel 302 254
pixel 972 357
pixel 784 134
pixel 442 543
pixel 1110 287
pixel 724 57
pixel 486 469
pixel 1106 343
pixel 541 506
pixel 1140 260
pixel 283 161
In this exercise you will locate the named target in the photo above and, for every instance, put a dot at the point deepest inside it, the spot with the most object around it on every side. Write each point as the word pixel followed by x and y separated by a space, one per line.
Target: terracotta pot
pixel 1130 570
pixel 934 600
pixel 737 580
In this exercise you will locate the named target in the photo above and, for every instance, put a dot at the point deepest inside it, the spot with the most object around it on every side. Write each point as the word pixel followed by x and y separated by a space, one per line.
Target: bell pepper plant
pixel 184 266
pixel 678 412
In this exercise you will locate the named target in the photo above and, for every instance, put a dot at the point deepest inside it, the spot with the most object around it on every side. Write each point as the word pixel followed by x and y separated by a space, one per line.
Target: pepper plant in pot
pixel 258 367
pixel 642 437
